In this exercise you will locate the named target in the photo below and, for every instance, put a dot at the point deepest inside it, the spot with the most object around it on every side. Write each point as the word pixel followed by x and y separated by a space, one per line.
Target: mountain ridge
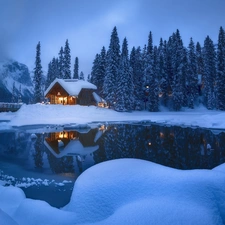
pixel 14 73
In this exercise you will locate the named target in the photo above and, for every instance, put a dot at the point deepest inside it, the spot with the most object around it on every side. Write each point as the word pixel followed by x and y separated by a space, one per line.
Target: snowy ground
pixel 58 114
pixel 143 193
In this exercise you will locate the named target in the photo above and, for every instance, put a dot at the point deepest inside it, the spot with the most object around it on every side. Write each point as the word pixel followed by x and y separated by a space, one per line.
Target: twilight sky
pixel 87 24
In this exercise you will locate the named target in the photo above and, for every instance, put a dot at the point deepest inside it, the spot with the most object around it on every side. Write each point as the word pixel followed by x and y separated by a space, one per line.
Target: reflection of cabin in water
pixel 72 143
pixel 71 92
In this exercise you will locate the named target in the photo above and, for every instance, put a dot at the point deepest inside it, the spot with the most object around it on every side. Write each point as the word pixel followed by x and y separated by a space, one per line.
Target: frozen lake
pixel 45 161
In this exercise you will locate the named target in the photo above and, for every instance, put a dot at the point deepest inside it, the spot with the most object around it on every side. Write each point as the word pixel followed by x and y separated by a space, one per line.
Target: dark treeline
pixel 169 75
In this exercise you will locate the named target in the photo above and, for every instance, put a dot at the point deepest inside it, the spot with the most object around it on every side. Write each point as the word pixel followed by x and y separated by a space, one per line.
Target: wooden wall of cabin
pixel 85 97
pixel 63 100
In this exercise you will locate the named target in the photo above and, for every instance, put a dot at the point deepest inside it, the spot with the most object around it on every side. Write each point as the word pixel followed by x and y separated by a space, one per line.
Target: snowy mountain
pixel 17 74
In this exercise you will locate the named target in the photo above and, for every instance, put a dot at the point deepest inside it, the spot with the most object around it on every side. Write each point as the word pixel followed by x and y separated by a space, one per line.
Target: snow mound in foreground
pixel 131 191
pixel 128 191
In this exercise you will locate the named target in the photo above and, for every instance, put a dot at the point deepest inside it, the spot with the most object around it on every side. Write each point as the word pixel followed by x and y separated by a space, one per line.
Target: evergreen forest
pixel 151 77
pixel 168 75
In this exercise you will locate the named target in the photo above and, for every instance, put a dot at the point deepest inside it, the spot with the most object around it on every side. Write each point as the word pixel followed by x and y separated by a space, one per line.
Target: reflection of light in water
pixel 161 134
pixel 102 127
pixel 61 135
pixel 64 134
pixel 79 158
pixel 60 143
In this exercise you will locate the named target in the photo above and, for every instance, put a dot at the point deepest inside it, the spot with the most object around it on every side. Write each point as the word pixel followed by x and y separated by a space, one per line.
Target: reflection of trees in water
pixel 13 144
pixel 64 164
pixel 183 148
pixel 119 142
pixel 38 151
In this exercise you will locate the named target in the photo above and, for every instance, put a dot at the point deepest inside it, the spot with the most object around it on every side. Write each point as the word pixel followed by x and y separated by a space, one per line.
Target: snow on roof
pixel 72 86
pixel 74 147
pixel 98 98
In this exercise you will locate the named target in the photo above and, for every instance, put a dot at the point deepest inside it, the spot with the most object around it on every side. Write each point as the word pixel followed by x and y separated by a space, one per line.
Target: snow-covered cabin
pixel 71 92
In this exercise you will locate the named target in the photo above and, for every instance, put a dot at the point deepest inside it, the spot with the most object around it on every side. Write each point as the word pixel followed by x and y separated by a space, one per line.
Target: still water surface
pixel 46 161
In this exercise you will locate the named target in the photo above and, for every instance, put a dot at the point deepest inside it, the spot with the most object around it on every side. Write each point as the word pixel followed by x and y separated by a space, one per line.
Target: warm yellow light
pixel 102 127
pixel 61 135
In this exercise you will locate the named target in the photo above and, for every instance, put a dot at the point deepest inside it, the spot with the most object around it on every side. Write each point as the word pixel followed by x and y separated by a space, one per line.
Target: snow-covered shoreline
pixel 59 114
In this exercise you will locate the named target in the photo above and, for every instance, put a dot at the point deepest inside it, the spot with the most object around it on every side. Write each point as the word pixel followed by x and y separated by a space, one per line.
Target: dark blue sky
pixel 87 24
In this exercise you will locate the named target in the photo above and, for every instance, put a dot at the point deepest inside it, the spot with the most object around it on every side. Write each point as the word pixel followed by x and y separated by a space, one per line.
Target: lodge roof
pixel 71 86
pixel 74 147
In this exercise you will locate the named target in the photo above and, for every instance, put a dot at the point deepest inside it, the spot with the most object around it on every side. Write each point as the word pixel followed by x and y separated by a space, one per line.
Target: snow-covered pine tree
pixel 139 78
pixel 49 76
pixel 112 63
pixel 145 82
pixel 153 96
pixel 155 61
pixel 200 66
pixel 209 57
pixel 162 77
pixel 168 49
pixel 55 70
pixel 67 61
pixel 150 45
pixel 95 70
pixel 133 58
pixel 98 71
pixel 152 73
pixel 38 76
pixel 101 70
pixel 177 57
pixel 14 93
pixel 150 55
pixel 124 90
pixel 81 77
pixel 89 78
pixel 76 69
pixel 192 78
pixel 184 77
pixel 61 63
pixel 136 65
pixel 220 78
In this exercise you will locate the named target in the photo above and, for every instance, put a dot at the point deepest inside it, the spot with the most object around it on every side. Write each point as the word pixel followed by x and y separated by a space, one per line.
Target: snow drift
pixel 128 191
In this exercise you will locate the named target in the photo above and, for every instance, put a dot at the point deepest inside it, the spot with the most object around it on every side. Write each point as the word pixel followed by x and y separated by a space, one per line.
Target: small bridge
pixel 9 107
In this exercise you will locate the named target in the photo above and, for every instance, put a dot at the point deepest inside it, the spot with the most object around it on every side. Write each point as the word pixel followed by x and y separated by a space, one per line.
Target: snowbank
pixel 143 193
pixel 59 114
